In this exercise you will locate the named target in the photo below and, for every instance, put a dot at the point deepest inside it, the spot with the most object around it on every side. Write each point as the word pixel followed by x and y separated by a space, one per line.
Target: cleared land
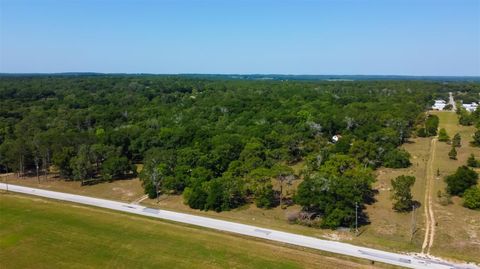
pixel 42 233
pixel 457 231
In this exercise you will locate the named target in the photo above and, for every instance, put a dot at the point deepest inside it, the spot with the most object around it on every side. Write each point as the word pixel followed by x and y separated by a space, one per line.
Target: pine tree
pixel 457 140
pixel 453 153
pixel 443 136
pixel 472 162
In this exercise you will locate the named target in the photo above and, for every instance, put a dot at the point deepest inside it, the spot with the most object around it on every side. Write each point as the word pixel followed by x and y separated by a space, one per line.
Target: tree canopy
pixel 220 143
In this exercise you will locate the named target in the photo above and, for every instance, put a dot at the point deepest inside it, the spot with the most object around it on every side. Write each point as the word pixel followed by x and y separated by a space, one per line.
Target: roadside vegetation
pixel 223 144
pixel 265 153
pixel 117 240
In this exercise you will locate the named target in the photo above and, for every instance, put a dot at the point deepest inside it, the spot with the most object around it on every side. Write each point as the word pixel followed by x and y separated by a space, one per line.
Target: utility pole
pixel 155 182
pixel 413 223
pixel 6 180
pixel 356 219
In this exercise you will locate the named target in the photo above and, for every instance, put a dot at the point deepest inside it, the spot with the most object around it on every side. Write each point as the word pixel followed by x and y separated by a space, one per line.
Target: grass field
pixel 457 228
pixel 41 233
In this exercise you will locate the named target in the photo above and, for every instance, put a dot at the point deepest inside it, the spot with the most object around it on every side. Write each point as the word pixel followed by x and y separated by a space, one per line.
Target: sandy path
pixel 430 217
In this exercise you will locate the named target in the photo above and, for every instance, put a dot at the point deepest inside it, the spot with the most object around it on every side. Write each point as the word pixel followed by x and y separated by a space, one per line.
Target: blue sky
pixel 404 37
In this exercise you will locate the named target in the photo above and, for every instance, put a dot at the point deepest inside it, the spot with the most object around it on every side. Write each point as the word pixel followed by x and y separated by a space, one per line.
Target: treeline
pixel 220 143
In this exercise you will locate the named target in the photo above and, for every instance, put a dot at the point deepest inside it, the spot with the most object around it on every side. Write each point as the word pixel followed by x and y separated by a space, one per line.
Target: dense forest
pixel 222 143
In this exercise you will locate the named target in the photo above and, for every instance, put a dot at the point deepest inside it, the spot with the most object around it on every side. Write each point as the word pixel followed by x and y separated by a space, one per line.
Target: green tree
pixel 461 180
pixel 265 196
pixel 476 139
pixel 397 158
pixel 471 198
pixel 81 164
pixel 284 176
pixel 457 140
pixel 152 176
pixel 365 152
pixel 443 136
pixel 116 167
pixel 472 162
pixel 61 159
pixel 195 196
pixel 402 193
pixel 334 190
pixel 334 198
pixel 452 154
pixel 431 125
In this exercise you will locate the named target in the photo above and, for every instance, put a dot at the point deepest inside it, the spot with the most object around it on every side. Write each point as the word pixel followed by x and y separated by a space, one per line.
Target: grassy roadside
pixel 42 233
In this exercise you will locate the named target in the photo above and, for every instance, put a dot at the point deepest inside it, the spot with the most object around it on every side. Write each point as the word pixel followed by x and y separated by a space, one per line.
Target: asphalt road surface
pixel 452 102
pixel 405 260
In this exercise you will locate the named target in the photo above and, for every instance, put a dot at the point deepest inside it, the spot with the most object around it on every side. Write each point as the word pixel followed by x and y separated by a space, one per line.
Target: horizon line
pixel 225 74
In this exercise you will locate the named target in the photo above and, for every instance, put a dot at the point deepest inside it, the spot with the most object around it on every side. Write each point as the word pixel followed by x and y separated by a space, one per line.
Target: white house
pixel 439 105
pixel 335 138
pixel 470 107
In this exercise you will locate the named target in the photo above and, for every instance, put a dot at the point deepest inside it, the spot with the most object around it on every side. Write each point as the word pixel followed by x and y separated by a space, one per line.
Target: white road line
pixel 405 260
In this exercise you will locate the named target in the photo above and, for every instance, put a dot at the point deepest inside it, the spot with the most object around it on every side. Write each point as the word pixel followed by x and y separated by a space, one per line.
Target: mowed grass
pixel 457 228
pixel 42 233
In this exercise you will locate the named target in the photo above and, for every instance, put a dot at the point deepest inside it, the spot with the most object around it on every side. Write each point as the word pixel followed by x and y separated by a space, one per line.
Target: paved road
pixel 452 102
pixel 411 261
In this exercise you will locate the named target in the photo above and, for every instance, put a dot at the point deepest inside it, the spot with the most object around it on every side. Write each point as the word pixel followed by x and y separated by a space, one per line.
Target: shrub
pixel 292 216
pixel 444 198
pixel 457 140
pixel 452 154
pixel 265 196
pixel 476 139
pixel 461 180
pixel 472 162
pixel 422 132
pixel 431 125
pixel 443 136
pixel 397 158
pixel 471 198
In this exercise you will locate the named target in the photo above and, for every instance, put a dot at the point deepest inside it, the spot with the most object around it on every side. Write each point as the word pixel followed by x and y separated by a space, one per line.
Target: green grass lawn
pixel 40 233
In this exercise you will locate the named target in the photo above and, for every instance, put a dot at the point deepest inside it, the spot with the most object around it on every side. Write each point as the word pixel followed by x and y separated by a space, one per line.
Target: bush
pixel 397 158
pixel 452 154
pixel 465 119
pixel 116 167
pixel 150 190
pixel 472 162
pixel 457 140
pixel 265 196
pixel 422 132
pixel 443 136
pixel 476 139
pixel 195 197
pixel 461 180
pixel 471 198
pixel 292 216
pixel 431 125
pixel 444 198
